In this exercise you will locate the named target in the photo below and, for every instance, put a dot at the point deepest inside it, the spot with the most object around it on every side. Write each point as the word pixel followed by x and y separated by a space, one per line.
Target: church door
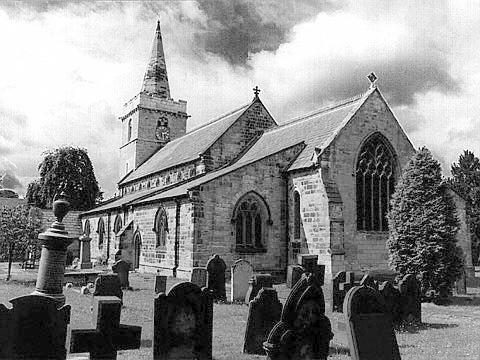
pixel 137 243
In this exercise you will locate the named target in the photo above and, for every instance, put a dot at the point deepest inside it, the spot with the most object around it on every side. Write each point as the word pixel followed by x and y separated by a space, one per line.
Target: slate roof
pixel 187 147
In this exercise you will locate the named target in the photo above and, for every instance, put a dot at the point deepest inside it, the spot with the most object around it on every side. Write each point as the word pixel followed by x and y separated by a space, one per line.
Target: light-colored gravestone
pixel 241 274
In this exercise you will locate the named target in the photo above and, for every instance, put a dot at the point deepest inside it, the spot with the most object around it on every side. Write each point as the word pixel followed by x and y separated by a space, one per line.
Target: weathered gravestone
pixel 108 285
pixel 241 272
pixel 309 263
pixel 294 273
pixel 341 283
pixel 183 323
pixel 263 313
pixel 368 280
pixel 392 299
pixel 369 328
pixel 109 336
pixel 160 284
pixel 85 261
pixel 199 277
pixel 410 292
pixel 304 332
pixel 35 328
pixel 257 282
pixel 122 269
pixel 216 277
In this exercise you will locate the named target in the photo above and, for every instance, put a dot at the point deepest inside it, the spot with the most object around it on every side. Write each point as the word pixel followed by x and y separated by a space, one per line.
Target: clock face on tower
pixel 162 132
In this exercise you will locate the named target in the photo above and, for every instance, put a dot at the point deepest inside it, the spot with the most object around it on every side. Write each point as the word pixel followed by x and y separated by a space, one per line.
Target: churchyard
pixel 446 332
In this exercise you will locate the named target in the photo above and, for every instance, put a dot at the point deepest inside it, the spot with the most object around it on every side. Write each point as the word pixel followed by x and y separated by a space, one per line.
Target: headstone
pixel 263 313
pixel 241 273
pixel 160 284
pixel 410 292
pixel 122 268
pixel 183 323
pixel 367 280
pixel 294 273
pixel 199 277
pixel 308 262
pixel 216 277
pixel 257 282
pixel 392 299
pixel 85 261
pixel 108 285
pixel 341 283
pixel 303 332
pixel 109 336
pixel 369 328
pixel 35 328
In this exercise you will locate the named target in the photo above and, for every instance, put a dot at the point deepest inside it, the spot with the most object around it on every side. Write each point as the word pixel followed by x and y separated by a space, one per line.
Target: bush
pixel 423 225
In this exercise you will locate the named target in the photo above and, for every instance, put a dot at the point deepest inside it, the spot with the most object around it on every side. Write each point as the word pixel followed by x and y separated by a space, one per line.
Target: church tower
pixel 152 118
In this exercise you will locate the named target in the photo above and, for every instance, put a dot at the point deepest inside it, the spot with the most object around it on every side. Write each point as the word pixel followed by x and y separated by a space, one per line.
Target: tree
pixel 423 225
pixel 7 193
pixel 67 169
pixel 19 227
pixel 466 181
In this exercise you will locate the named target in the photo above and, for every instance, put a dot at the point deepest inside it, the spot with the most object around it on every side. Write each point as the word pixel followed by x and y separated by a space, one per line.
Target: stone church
pixel 244 186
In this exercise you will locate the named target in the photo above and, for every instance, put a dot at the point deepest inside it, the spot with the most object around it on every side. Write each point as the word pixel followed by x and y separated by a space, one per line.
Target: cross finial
pixel 256 91
pixel 373 78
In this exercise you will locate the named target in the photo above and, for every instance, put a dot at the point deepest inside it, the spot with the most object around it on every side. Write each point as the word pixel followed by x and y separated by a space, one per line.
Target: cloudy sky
pixel 66 68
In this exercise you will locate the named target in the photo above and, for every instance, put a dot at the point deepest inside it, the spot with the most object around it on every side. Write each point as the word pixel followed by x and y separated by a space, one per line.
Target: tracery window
pixel 118 224
pixel 101 233
pixel 296 215
pixel 251 216
pixel 375 182
pixel 161 227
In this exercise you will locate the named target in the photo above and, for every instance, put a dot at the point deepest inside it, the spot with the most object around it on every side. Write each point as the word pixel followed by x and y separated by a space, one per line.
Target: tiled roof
pixel 187 147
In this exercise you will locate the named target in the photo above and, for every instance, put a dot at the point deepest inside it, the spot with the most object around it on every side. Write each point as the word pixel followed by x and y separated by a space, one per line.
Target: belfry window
pixel 161 227
pixel 129 135
pixel 375 183
pixel 250 218
pixel 101 233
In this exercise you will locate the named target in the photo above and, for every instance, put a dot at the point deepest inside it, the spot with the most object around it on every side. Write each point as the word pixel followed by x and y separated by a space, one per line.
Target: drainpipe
pixel 177 237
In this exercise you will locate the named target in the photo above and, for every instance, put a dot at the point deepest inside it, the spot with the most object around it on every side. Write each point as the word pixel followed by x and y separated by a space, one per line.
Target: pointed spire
pixel 156 79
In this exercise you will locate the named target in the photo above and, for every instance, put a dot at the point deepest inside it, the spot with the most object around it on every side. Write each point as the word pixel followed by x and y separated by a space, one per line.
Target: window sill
pixel 249 249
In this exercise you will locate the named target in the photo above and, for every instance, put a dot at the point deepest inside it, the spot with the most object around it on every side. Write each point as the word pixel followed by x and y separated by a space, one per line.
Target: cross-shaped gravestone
pixel 108 285
pixel 109 335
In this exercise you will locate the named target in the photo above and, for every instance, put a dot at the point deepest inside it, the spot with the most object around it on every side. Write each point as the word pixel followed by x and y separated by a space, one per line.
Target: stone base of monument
pixel 339 328
pixel 81 278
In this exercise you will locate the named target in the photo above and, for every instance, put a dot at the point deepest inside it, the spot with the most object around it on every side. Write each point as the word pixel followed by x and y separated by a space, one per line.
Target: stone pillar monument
pixel 85 262
pixel 54 243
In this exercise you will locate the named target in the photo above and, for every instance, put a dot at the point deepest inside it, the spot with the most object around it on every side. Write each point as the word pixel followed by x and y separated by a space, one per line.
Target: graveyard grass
pixel 447 332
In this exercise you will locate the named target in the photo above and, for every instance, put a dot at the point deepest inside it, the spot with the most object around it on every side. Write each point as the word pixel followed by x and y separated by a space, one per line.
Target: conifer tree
pixel 423 225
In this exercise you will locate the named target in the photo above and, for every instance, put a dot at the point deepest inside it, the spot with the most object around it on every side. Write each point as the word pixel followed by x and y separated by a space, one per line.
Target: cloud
pixel 10 181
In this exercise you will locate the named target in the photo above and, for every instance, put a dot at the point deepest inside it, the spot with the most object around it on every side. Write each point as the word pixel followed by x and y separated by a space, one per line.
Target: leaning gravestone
pixel 122 269
pixel 183 323
pixel 369 328
pixel 303 332
pixel 199 277
pixel 241 273
pixel 410 292
pixel 160 284
pixel 257 282
pixel 35 328
pixel 216 277
pixel 263 313
pixel 109 336
pixel 108 285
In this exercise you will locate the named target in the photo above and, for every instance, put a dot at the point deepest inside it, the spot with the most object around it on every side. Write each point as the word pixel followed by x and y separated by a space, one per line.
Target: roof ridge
pixel 219 117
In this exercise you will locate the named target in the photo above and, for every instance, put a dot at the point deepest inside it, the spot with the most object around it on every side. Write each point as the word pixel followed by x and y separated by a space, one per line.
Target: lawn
pixel 448 332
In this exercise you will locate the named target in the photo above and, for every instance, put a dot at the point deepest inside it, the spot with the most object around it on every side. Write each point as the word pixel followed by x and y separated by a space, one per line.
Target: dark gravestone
pixel 160 284
pixel 257 282
pixel 263 313
pixel 369 328
pixel 368 280
pixel 294 273
pixel 341 283
pixel 216 277
pixel 199 277
pixel 309 263
pixel 183 323
pixel 303 332
pixel 410 293
pixel 109 335
pixel 122 268
pixel 392 299
pixel 108 285
pixel 381 275
pixel 35 328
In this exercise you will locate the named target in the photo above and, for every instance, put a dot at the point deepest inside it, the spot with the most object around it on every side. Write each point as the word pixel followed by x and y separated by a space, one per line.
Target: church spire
pixel 156 80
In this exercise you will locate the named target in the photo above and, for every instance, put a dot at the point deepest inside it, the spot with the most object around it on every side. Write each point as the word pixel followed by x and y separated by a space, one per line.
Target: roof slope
pixel 187 147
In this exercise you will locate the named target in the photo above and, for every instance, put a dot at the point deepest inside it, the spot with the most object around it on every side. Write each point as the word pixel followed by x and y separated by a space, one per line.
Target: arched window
pixel 118 224
pixel 161 227
pixel 86 228
pixel 375 182
pixel 101 233
pixel 297 222
pixel 251 215
pixel 129 135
